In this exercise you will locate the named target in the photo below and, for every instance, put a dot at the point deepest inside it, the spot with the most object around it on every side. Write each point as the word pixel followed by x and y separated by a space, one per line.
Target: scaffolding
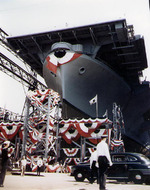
pixel 118 129
pixel 50 113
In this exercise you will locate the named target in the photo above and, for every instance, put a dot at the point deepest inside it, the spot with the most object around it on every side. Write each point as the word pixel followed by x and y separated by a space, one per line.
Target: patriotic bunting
pixel 117 143
pixel 70 152
pixel 70 130
pixel 68 169
pixel 91 150
pixel 31 148
pixel 34 168
pixel 35 136
pixel 84 128
pixel 9 130
pixel 52 168
pixel 74 160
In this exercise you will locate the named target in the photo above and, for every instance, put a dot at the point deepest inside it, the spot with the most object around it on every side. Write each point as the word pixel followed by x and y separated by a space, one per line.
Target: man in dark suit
pixel 4 161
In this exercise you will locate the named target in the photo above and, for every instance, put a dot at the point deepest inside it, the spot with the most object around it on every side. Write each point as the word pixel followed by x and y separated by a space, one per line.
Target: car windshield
pixel 145 159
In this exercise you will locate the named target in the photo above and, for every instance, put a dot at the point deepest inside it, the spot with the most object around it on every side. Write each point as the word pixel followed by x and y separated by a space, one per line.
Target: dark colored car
pixel 127 166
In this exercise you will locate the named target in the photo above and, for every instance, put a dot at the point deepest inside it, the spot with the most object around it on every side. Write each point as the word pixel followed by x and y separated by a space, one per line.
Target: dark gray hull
pixel 80 80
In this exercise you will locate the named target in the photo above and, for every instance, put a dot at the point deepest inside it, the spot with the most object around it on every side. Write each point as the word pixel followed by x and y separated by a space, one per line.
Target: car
pixel 126 166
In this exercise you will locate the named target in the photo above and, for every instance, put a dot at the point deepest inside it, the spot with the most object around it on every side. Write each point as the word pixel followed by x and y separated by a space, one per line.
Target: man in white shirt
pixel 39 165
pixel 93 167
pixel 23 165
pixel 104 160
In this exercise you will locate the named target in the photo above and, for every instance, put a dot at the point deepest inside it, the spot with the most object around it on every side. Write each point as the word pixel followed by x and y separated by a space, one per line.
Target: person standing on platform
pixel 23 165
pixel 39 165
pixel 104 160
pixel 93 167
pixel 4 161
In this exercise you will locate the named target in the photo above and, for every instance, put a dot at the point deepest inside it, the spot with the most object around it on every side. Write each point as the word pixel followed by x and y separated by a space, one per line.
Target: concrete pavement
pixel 60 181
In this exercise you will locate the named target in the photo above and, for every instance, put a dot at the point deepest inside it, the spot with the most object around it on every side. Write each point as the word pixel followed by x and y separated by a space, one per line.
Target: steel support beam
pixel 25 128
pixel 82 153
pixel 13 70
pixel 47 127
pixel 16 72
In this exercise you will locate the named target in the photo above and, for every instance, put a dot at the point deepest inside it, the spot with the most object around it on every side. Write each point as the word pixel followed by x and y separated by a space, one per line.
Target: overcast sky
pixel 19 17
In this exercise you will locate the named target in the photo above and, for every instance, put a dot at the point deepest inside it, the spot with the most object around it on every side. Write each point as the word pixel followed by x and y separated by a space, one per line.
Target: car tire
pixel 147 182
pixel 137 177
pixel 79 176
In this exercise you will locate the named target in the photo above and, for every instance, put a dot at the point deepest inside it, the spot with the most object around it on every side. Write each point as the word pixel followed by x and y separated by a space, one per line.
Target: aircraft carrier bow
pixel 106 59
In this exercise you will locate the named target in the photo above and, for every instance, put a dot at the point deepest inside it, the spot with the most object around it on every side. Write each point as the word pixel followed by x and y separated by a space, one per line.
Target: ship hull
pixel 80 80
pixel 94 59
pixel 82 77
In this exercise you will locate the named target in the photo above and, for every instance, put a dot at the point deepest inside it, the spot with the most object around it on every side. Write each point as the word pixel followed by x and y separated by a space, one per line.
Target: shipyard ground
pixel 60 181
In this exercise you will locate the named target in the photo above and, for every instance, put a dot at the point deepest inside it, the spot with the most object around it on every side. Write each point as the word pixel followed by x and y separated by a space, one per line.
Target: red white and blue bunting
pixel 72 129
pixel 116 143
pixel 9 130
pixel 53 168
pixel 70 151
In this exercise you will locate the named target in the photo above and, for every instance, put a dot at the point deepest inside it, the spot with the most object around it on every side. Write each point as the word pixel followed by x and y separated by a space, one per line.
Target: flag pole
pixel 97 106
pixel 95 101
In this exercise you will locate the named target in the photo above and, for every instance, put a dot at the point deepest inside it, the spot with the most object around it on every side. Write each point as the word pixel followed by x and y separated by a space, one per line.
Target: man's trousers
pixel 103 165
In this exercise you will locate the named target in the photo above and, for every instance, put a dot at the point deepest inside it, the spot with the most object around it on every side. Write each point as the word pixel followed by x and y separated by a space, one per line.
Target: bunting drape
pixel 9 130
pixel 52 169
pixel 116 143
pixel 72 129
pixel 70 151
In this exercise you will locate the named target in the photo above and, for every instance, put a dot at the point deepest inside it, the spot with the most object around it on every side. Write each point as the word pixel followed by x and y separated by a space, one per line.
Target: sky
pixel 21 17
